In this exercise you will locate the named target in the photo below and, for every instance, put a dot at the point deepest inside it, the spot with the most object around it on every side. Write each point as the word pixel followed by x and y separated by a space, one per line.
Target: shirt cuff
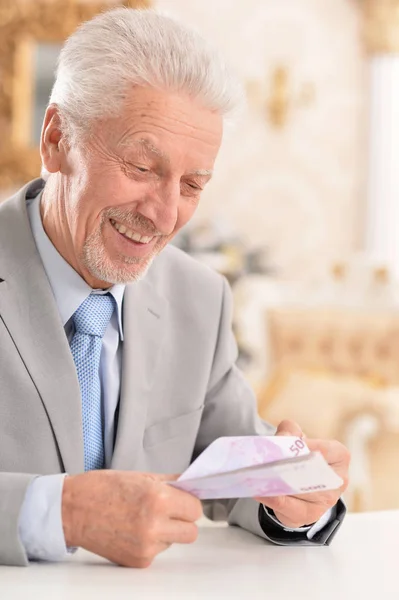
pixel 310 530
pixel 40 520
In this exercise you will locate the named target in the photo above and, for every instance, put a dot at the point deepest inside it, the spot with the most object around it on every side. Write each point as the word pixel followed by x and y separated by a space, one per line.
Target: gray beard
pixel 100 267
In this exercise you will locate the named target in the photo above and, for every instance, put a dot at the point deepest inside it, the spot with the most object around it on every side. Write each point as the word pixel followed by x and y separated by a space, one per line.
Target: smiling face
pixel 113 204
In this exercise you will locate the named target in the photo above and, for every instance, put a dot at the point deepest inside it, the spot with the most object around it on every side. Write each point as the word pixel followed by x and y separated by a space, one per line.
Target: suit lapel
pixel 29 311
pixel 143 318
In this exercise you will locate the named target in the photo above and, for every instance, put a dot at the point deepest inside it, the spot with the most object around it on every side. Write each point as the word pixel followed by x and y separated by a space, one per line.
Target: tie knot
pixel 94 314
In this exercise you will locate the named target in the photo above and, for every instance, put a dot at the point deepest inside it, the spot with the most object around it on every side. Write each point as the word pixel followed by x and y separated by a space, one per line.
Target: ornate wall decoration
pixel 23 26
pixel 297 189
pixel 382 26
pixel 282 100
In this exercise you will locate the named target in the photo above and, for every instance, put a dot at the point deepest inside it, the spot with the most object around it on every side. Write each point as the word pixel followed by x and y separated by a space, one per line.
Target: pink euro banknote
pixel 245 467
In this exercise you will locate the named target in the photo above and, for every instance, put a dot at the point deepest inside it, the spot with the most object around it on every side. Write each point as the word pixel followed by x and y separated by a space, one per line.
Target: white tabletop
pixel 230 563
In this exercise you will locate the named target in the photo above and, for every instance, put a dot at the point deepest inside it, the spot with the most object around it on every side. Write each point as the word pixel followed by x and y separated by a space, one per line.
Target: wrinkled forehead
pixel 149 109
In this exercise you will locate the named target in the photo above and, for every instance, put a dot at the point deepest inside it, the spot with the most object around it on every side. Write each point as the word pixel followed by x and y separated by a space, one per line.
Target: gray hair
pixel 126 47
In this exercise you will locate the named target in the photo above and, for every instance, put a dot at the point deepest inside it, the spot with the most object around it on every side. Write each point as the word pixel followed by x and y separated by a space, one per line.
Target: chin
pixel 111 268
pixel 119 273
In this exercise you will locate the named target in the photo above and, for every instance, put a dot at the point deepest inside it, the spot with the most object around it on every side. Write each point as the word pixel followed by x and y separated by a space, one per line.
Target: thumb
pixel 288 427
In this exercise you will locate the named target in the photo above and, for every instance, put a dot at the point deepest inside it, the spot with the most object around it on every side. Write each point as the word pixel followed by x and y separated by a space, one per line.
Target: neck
pixel 57 228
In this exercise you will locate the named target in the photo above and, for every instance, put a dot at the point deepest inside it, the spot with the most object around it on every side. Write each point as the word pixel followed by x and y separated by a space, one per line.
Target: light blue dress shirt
pixel 40 522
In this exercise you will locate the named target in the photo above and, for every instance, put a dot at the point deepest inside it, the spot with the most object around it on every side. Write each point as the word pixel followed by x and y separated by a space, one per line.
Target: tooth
pixel 144 239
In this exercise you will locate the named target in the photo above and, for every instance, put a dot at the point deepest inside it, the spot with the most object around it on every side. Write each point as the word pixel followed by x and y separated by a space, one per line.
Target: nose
pixel 161 206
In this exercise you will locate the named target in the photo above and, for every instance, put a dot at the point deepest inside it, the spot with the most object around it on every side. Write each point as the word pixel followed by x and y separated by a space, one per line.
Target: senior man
pixel 116 370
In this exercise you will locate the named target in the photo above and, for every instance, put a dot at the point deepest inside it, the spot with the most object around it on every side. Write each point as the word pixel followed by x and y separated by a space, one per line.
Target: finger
pixel 288 511
pixel 184 506
pixel 322 499
pixel 293 512
pixel 128 555
pixel 179 532
pixel 288 427
pixel 326 499
pixel 337 456
pixel 334 452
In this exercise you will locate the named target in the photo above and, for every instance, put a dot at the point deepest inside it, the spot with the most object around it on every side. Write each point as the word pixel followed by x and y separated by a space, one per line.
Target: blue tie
pixel 91 320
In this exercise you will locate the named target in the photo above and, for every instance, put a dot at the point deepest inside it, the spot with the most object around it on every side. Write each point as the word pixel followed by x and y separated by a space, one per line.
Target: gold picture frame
pixel 25 24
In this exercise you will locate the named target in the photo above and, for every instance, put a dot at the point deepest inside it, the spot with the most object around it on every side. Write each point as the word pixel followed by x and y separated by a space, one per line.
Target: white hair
pixel 126 47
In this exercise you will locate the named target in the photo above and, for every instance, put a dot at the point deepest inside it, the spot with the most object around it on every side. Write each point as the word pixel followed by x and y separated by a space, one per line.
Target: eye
pixel 131 169
pixel 192 186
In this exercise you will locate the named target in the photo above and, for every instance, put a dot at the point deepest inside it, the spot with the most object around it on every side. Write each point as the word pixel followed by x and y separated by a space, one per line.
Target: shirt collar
pixel 69 289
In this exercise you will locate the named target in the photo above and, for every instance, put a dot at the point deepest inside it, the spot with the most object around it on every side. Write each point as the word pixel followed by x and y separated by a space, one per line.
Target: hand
pixel 127 517
pixel 306 509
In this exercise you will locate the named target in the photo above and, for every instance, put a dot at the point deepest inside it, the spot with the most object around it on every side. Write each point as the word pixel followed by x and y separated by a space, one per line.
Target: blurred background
pixel 302 215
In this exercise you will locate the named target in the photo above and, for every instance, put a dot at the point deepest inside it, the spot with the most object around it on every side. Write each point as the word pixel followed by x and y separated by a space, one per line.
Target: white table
pixel 230 563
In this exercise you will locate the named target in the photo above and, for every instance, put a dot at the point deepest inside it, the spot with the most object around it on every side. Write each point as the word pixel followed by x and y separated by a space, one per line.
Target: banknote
pixel 257 466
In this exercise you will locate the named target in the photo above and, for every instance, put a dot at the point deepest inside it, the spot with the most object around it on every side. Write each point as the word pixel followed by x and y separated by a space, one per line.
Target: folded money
pixel 257 466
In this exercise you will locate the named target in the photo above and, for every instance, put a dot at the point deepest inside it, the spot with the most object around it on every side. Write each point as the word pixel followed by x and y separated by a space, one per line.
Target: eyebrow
pixel 149 147
pixel 146 144
pixel 202 173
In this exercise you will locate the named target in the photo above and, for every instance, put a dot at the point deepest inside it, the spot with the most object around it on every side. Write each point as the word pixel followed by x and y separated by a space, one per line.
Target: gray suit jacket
pixel 180 387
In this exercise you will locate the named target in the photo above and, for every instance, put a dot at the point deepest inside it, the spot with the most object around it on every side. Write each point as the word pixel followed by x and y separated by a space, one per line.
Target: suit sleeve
pixel 230 410
pixel 30 518
pixel 13 488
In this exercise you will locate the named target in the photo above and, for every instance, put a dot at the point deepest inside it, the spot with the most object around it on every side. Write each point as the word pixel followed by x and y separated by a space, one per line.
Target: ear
pixel 51 135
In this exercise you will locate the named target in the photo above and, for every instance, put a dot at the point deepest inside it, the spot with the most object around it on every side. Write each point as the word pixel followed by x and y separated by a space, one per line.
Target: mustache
pixel 132 221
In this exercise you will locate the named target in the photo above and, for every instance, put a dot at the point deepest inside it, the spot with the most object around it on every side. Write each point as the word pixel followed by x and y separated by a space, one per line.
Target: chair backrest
pixel 364 343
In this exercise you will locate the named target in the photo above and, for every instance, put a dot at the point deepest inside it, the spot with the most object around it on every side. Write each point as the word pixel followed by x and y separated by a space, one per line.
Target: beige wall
pixel 299 190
